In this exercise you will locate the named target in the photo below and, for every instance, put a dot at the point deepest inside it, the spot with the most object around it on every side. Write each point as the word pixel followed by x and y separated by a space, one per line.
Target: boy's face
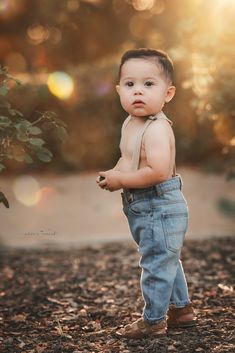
pixel 143 87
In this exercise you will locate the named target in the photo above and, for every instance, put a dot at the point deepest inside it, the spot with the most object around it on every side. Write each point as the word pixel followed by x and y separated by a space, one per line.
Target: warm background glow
pixel 71 67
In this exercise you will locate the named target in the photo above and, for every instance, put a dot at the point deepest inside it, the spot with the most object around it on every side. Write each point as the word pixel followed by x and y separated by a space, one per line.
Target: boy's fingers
pixel 102 183
pixel 101 173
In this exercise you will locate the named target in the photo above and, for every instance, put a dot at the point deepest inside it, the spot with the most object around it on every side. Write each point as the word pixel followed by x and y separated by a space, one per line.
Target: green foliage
pixel 21 139
pixel 227 207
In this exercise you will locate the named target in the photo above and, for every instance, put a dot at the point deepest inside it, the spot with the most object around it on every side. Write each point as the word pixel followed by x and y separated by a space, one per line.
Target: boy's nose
pixel 138 90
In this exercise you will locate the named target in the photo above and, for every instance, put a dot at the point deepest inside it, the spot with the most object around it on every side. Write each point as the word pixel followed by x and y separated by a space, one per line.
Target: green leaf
pixel 60 133
pixel 2 167
pixel 34 130
pixel 227 207
pixel 21 136
pixel 28 158
pixel 231 174
pixel 46 150
pixel 4 90
pixel 44 156
pixel 4 118
pixel 36 141
pixel 12 112
pixel 18 82
pixel 26 122
pixel 4 121
pixel 18 112
pixel 23 125
pixel 5 104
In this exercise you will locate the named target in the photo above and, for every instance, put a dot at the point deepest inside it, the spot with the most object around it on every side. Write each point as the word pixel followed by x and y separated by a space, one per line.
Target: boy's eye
pixel 148 83
pixel 129 83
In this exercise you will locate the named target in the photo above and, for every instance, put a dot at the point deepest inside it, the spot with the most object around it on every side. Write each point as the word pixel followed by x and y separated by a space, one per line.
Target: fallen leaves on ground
pixel 72 301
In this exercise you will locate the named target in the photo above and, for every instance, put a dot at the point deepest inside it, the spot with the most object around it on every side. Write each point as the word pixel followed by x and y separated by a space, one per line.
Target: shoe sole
pixel 140 336
pixel 183 324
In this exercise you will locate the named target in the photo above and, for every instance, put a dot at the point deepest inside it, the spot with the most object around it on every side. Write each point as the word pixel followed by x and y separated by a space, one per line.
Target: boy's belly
pixel 125 165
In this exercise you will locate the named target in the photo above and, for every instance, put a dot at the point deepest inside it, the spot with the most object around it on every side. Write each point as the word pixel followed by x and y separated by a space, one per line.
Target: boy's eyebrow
pixel 144 78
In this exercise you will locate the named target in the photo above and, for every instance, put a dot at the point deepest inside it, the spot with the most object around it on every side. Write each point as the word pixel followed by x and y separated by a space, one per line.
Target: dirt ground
pixel 72 301
pixel 71 211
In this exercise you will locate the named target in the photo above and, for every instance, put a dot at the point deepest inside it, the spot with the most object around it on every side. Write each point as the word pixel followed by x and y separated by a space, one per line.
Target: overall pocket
pixel 174 225
pixel 139 207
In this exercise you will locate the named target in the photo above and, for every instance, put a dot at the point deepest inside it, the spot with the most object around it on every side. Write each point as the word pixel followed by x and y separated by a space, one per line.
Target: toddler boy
pixel 153 202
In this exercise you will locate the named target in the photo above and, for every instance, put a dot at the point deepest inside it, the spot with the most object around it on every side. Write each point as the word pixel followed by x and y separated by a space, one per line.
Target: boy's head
pixel 161 59
pixel 145 81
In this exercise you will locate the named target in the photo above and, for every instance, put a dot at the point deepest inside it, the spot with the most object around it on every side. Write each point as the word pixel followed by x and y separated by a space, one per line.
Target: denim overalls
pixel 158 221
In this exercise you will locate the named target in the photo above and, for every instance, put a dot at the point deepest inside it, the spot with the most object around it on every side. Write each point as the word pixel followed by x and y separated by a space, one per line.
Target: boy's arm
pixel 116 167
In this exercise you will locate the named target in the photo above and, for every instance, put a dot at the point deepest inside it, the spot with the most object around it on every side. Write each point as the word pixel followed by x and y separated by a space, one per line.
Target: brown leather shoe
pixel 140 329
pixel 181 317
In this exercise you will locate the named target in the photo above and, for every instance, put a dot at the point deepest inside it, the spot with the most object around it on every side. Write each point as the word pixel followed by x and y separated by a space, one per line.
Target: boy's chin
pixel 143 115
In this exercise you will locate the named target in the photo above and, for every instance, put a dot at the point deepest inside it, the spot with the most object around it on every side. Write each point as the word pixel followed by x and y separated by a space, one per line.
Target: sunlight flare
pixel 60 84
pixel 26 190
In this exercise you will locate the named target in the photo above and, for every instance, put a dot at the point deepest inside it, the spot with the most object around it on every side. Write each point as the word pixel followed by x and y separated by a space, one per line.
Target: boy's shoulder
pixel 159 128
pixel 161 124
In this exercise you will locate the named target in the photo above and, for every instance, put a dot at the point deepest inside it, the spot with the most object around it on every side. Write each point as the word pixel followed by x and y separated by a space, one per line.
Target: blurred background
pixel 66 54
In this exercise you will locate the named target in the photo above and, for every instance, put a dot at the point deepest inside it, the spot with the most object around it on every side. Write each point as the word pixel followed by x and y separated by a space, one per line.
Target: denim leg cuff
pixel 153 321
pixel 180 304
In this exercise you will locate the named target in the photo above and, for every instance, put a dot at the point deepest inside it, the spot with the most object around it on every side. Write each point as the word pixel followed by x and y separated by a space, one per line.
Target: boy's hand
pixel 111 180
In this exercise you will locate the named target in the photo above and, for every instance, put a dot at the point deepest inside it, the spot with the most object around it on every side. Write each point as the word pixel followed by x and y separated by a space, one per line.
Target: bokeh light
pixel 55 35
pixel 201 78
pixel 141 5
pixel 73 5
pixel 158 7
pixel 45 196
pixel 223 3
pixel 60 84
pixel 232 141
pixel 37 34
pixel 11 8
pixel 4 5
pixel 26 190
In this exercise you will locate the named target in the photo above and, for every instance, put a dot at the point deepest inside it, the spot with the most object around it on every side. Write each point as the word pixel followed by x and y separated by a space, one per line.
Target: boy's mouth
pixel 138 101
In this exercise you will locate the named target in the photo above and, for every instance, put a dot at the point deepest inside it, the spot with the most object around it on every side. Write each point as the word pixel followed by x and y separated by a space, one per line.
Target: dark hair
pixel 145 53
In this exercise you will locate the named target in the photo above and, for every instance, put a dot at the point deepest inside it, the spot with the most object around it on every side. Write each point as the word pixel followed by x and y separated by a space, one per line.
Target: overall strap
pixel 125 123
pixel 136 152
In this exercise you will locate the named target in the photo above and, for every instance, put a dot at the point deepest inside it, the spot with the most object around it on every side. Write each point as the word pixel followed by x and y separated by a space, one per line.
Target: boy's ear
pixel 118 88
pixel 170 93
